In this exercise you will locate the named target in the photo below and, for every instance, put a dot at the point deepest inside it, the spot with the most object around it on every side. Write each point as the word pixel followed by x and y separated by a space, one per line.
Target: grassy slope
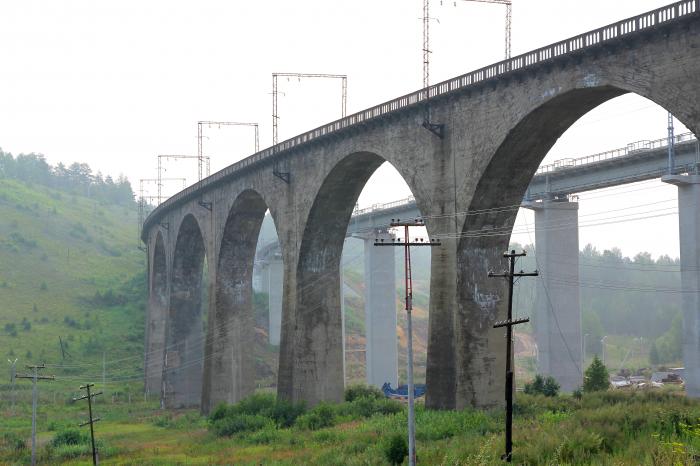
pixel 56 251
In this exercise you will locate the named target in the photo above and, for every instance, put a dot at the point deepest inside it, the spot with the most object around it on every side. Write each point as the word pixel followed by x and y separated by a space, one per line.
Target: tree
pixel 551 387
pixel 654 355
pixel 596 377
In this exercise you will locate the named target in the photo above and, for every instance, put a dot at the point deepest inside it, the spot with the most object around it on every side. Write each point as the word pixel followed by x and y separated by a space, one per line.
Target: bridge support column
pixel 155 328
pixel 274 273
pixel 557 318
pixel 380 311
pixel 689 232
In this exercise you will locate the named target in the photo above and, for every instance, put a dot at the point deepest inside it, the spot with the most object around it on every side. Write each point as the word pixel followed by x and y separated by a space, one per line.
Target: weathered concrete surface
pixel 184 352
pixel 466 185
pixel 557 318
pixel 689 231
pixel 229 366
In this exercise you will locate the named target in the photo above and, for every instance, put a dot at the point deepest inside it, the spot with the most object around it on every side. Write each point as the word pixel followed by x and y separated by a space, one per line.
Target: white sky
pixel 114 83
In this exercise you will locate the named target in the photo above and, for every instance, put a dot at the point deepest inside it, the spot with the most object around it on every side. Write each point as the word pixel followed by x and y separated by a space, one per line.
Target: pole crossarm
pixel 509 322
pixel 38 377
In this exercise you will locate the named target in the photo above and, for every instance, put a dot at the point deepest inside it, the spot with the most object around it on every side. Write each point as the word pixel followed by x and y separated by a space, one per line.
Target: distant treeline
pixel 636 296
pixel 75 179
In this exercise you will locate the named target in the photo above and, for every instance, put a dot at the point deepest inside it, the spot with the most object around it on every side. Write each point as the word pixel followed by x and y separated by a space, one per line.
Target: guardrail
pixel 666 14
pixel 631 149
pixel 380 207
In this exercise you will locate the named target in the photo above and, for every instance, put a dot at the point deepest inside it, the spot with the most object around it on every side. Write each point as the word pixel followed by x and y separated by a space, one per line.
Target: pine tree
pixel 654 355
pixel 596 377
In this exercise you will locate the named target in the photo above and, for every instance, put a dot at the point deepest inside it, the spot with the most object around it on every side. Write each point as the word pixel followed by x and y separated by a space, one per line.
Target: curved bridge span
pixel 498 123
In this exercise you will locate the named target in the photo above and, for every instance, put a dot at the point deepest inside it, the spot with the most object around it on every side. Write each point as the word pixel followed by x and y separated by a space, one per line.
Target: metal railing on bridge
pixel 663 15
pixel 631 149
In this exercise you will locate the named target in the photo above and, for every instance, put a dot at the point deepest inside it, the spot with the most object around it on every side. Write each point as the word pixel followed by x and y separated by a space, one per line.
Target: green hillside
pixel 69 268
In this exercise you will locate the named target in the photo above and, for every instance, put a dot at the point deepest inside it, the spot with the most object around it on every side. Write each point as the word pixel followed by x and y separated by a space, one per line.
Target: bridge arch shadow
pixel 501 188
pixel 319 347
pixel 229 371
pixel 184 351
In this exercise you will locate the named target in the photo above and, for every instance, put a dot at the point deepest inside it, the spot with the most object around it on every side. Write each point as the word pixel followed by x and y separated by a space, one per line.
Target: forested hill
pixel 69 264
pixel 77 178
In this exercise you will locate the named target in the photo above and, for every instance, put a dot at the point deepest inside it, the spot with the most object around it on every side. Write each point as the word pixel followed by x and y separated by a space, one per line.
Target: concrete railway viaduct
pixel 497 124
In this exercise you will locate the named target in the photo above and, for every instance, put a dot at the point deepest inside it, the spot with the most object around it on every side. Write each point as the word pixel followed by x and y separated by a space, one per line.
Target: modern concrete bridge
pixel 497 125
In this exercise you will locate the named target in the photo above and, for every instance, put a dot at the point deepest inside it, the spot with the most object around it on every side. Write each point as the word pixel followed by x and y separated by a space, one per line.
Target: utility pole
pixel 407 243
pixel 437 128
pixel 509 323
pixel 176 157
pixel 104 368
pixel 275 112
pixel 13 373
pixel 89 398
pixel 219 124
pixel 35 377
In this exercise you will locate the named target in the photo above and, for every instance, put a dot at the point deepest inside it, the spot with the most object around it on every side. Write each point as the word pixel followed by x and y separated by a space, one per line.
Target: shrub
pixel 364 407
pixel 318 418
pixel 235 424
pixel 354 392
pixel 282 412
pixel 396 449
pixel 13 442
pixel 69 437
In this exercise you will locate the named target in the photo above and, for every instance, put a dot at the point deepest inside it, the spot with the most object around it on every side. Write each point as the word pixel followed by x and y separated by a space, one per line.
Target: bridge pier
pixel 557 319
pixel 156 319
pixel 272 276
pixel 689 232
pixel 380 311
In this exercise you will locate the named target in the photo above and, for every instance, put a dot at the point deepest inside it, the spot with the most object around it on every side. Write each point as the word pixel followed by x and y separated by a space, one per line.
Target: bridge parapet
pixel 672 13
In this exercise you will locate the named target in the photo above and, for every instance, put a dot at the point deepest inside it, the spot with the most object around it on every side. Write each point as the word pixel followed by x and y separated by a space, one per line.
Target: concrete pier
pixel 275 273
pixel 689 232
pixel 380 311
pixel 557 319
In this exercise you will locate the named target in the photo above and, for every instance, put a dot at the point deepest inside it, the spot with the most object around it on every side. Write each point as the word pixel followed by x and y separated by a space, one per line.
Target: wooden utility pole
pixel 89 398
pixel 13 373
pixel 510 275
pixel 407 243
pixel 35 377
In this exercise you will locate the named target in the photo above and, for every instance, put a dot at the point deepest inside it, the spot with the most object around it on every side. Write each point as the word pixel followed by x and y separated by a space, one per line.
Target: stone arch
pixel 229 370
pixel 184 352
pixel 157 311
pixel 318 347
pixel 503 183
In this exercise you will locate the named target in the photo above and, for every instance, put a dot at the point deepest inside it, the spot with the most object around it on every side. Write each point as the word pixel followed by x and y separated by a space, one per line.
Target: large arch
pixel 480 368
pixel 157 311
pixel 229 369
pixel 184 353
pixel 318 346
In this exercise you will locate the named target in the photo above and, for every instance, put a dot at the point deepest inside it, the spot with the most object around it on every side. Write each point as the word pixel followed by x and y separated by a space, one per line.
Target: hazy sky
pixel 114 83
